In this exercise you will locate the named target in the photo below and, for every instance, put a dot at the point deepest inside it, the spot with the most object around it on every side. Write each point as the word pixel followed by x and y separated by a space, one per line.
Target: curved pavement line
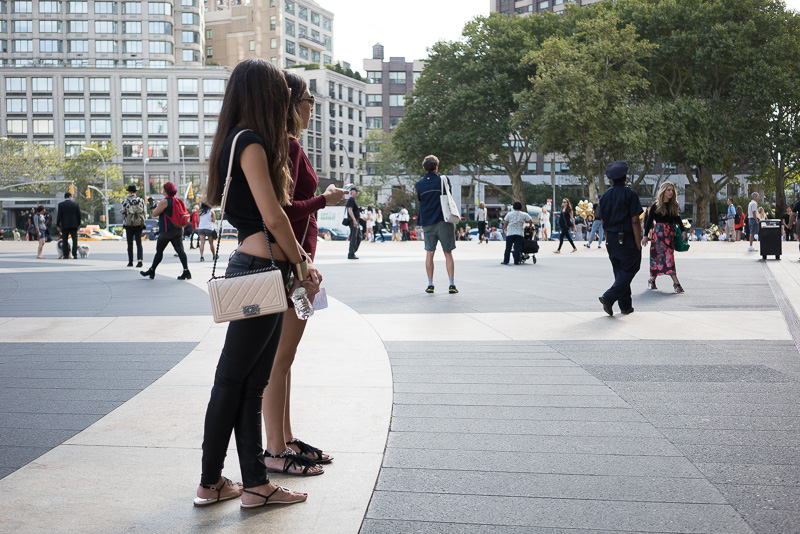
pixel 137 468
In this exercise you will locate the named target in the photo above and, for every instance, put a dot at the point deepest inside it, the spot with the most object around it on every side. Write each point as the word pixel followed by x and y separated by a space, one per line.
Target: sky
pixel 404 27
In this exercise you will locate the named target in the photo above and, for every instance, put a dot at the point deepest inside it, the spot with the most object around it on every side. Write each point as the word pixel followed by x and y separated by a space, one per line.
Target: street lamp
pixel 105 181
pixel 347 174
pixel 145 181
pixel 183 162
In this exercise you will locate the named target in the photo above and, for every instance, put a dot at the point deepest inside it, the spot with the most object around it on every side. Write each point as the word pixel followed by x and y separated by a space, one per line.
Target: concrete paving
pixel 515 406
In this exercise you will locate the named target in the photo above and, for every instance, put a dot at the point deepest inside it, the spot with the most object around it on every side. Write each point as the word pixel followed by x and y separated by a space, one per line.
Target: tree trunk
pixel 589 157
pixel 705 191
pixel 516 186
pixel 780 190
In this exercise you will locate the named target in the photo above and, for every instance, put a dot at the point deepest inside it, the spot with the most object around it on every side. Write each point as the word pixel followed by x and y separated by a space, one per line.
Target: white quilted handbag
pixel 250 293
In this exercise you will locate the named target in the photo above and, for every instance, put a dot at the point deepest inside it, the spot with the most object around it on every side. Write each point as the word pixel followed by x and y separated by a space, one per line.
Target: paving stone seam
pixel 565 453
pixel 552 474
pixel 787 310
pixel 555 529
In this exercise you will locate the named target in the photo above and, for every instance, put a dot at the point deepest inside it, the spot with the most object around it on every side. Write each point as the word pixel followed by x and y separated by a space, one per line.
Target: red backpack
pixel 180 215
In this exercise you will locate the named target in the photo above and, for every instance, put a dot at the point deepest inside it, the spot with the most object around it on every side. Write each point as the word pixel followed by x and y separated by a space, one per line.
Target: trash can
pixel 769 238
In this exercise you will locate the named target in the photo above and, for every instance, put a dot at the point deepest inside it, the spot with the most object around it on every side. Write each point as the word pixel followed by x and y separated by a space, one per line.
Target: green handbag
pixel 680 244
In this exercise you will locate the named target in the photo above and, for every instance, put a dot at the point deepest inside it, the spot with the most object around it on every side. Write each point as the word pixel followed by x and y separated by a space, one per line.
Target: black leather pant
pixel 174 236
pixel 242 374
pixel 134 233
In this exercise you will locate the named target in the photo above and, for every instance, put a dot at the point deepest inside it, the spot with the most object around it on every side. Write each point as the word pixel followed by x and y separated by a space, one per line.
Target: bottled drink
pixel 302 306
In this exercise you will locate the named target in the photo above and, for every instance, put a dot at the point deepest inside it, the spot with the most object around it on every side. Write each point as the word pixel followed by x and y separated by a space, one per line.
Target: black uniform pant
pixel 355 239
pixel 626 260
pixel 134 233
pixel 174 236
pixel 71 233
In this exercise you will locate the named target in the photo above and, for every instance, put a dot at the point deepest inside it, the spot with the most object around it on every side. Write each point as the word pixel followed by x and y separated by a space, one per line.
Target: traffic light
pixel 88 193
pixel 72 189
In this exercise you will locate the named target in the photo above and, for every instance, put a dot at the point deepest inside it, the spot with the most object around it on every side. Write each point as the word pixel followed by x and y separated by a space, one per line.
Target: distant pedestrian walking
pixel 205 229
pixel 659 227
pixel 566 222
pixel 402 219
pixel 514 229
pixel 597 229
pixel 354 214
pixel 544 222
pixel 39 228
pixel 480 216
pixel 619 209
pixel 738 222
pixel 752 220
pixel 168 232
pixel 134 214
pixel 435 228
pixel 68 220
pixel 730 221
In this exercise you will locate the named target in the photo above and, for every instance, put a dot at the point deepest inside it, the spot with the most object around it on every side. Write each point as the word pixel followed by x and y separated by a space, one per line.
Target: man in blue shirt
pixel 729 220
pixel 435 228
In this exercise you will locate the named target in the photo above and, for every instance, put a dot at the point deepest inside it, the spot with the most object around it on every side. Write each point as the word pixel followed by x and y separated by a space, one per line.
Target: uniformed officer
pixel 619 209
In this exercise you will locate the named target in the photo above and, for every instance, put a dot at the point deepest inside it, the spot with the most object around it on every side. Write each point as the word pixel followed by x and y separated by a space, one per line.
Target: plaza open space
pixel 515 406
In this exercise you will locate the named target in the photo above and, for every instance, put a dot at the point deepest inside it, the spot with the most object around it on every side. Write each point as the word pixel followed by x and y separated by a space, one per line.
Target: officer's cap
pixel 617 170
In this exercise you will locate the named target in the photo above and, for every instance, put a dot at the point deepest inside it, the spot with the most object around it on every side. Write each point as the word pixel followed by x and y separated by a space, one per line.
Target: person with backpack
pixel 134 215
pixel 172 219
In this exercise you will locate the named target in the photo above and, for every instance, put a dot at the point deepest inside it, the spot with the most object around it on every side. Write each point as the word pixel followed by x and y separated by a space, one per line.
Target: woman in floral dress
pixel 659 227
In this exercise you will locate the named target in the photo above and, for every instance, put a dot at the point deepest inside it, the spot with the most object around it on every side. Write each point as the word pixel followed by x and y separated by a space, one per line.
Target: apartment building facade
pixel 286 32
pixel 388 84
pixel 525 7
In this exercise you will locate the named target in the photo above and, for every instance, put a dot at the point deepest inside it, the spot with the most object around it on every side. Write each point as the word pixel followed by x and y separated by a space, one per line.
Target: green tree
pixel 86 168
pixel 585 98
pixel 385 164
pixel 23 161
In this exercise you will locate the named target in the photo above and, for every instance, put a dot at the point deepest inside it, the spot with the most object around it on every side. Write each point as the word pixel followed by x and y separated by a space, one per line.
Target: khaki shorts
pixel 443 232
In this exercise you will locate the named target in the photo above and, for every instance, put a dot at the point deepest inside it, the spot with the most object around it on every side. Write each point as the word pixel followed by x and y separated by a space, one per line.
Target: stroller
pixel 530 244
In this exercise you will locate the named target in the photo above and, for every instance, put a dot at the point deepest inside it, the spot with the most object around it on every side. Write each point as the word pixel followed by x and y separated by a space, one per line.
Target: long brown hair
pixel 294 122
pixel 568 211
pixel 672 207
pixel 256 98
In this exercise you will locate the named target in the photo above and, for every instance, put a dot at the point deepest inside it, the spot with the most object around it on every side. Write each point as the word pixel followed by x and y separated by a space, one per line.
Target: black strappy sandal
pixel 305 448
pixel 291 459
pixel 200 501
pixel 266 498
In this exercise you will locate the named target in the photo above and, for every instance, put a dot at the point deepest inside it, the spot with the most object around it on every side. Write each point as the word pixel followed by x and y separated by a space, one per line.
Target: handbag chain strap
pixel 222 218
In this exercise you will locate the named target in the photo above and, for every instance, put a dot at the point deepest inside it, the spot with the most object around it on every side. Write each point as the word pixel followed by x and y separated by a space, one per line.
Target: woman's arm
pixel 162 205
pixel 255 166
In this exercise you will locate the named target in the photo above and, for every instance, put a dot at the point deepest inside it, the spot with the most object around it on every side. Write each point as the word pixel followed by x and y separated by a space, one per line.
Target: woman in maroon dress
pixel 659 227
pixel 285 453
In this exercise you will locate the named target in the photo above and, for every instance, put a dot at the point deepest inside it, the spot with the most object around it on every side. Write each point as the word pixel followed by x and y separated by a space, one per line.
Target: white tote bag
pixel 450 210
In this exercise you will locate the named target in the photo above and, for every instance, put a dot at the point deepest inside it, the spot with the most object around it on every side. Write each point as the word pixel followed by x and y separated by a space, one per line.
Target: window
pixel 273 42
pixel 42 126
pixel 288 5
pixel 158 149
pixel 374 100
pixel 332 109
pixel 315 18
pixel 105 63
pixel 17 126
pixel 48 6
pixel 42 105
pixel 326 60
pixel 397 100
pixel 209 34
pixel 212 106
pixel 251 45
pixel 214 86
pixel 374 123
pixel 328 43
pixel 132 27
pixel 73 105
pixel 73 148
pixel 393 122
pixel 100 105
pixel 16 105
pixel 79 26
pixel 303 52
pixel 209 51
pixel 131 85
pixel 132 47
pixel 50 45
pixel 73 85
pixel 159 8
pixel 159 28
pixel 290 28
pixel 157 127
pixel 16 84
pixel 79 7
pixel 156 105
pixel 22 6
pixel 350 113
pixel 74 126
pixel 132 127
pixel 189 3
pixel 190 37
pixel 188 106
pixel 131 8
pixel 160 47
pixel 105 47
pixel 23 26
pixel 272 22
pixel 315 36
pixel 397 77
pixel 302 12
pixel 327 24
pixel 190 150
pixel 374 76
pixel 187 85
pixel 99 85
pixel 100 126
pixel 302 30
pixel 78 46
pixel 105 26
pixel 22 45
pixel 131 105
pixel 544 4
pixel 156 85
pixel 49 26
pixel 188 127
pixel 105 8
pixel 315 56
pixel 209 127
pixel 190 19
pixel 290 47
pixel 132 149
pixel 133 63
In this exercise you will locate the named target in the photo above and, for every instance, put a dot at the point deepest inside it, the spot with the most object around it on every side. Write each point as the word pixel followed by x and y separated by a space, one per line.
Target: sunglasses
pixel 308 99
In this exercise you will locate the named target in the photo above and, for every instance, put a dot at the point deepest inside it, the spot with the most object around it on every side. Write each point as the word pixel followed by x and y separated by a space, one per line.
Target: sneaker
pixel 429 289
pixel 598 246
pixel 586 245
pixel 452 290
pixel 751 249
pixel 352 257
